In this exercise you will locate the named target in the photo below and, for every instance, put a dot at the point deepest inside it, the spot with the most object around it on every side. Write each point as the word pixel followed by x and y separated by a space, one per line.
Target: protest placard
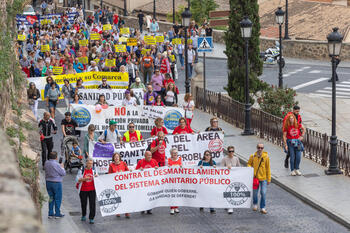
pixel 45 48
pixel 83 60
pixel 131 42
pixel 21 37
pixel 94 36
pixel 120 48
pixel 83 42
pixel 107 27
pixel 190 148
pixel 123 39
pixel 159 39
pixel 57 70
pixel 124 31
pixel 127 192
pixel 110 63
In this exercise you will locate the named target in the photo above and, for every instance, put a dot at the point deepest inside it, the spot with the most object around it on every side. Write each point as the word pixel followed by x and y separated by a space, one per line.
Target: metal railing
pixel 269 127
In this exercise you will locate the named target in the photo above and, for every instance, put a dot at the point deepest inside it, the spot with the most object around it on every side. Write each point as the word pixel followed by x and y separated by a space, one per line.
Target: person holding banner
pixel 138 84
pixel 174 160
pixel 33 95
pixel 214 125
pixel 111 134
pixel 102 100
pixel 145 163
pixel 117 165
pixel 158 101
pixel 158 149
pixel 128 100
pixel 159 122
pixel 104 84
pixel 188 106
pixel 207 161
pixel 229 162
pixel 132 135
pixel 86 187
pixel 182 128
pixel 262 174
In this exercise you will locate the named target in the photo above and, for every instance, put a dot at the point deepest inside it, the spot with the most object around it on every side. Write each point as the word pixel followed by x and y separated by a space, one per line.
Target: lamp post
pixel 279 20
pixel 186 18
pixel 246 31
pixel 286 36
pixel 334 47
pixel 154 9
pixel 125 10
pixel 173 11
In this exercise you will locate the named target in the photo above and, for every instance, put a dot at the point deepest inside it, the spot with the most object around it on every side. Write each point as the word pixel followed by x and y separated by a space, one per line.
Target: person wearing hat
pixel 93 67
pixel 111 134
pixel 138 84
pixel 132 135
pixel 128 100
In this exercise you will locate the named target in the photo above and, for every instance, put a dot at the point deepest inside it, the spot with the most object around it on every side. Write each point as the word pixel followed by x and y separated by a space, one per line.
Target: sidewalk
pixel 328 194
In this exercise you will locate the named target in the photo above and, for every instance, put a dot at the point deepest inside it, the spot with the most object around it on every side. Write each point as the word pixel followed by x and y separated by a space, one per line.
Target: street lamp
pixel 125 10
pixel 174 12
pixel 279 20
pixel 186 18
pixel 246 31
pixel 334 47
pixel 154 9
pixel 286 36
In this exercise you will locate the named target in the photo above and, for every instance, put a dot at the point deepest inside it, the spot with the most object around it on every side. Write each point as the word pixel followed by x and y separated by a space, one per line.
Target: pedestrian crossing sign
pixel 205 44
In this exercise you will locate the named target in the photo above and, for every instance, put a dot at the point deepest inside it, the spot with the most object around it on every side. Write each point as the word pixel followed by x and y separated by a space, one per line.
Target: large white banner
pixel 113 96
pixel 128 192
pixel 190 148
pixel 123 115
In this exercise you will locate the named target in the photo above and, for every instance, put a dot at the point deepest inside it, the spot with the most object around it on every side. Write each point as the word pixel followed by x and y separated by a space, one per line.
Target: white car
pixel 28 10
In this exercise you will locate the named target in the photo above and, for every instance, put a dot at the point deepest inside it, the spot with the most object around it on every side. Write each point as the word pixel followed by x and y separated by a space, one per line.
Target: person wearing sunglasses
pixel 261 163
pixel 132 135
pixel 214 125
pixel 230 161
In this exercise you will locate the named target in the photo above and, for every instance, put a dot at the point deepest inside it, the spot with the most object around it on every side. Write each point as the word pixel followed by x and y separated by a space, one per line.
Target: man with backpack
pixel 111 134
pixel 158 149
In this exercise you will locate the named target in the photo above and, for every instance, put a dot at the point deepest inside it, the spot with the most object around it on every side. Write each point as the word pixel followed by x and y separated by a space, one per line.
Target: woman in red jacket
pixel 117 165
pixel 183 127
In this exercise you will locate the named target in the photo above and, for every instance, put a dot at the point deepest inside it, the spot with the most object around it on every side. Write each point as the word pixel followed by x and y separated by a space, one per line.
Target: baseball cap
pixel 138 79
pixel 127 92
pixel 112 122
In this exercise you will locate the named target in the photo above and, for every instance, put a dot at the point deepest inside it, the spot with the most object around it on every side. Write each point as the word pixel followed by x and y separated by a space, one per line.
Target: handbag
pixel 188 114
pixel 256 180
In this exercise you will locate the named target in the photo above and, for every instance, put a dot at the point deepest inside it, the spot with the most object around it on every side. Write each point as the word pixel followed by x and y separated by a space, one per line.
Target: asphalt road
pixel 302 75
pixel 286 213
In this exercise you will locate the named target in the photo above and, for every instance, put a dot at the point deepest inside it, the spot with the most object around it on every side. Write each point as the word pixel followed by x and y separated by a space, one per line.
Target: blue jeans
pixel 295 156
pixel 54 189
pixel 263 188
pixel 190 67
pixel 181 59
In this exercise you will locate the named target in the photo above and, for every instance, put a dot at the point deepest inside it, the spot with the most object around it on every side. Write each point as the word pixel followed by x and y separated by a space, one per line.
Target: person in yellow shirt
pixel 261 163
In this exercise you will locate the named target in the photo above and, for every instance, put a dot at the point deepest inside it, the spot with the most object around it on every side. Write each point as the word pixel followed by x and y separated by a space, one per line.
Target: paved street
pixel 286 214
pixel 301 75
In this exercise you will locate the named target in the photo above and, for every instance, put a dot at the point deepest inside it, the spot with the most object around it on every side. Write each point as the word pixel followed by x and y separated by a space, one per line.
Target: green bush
pixel 277 101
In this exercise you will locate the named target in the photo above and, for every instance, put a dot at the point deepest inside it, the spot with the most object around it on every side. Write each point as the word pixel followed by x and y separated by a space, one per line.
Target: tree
pixel 235 47
pixel 200 9
pixel 178 17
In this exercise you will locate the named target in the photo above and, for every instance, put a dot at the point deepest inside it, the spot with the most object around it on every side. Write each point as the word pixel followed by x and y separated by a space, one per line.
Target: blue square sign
pixel 205 44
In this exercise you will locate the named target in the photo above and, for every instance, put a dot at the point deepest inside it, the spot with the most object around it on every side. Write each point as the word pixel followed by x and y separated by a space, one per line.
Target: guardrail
pixel 269 127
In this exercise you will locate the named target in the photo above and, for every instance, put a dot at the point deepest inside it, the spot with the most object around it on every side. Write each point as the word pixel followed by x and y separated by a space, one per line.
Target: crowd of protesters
pixel 153 68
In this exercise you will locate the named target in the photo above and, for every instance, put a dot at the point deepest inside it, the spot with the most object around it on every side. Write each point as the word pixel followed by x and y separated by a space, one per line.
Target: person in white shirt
pixel 111 134
pixel 128 100
pixel 191 58
pixel 93 67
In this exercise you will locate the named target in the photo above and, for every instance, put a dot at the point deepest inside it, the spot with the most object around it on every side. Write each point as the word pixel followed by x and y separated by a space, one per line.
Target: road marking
pixel 338 89
pixel 296 71
pixel 314 72
pixel 309 83
pixel 341 85
pixel 330 92
pixel 345 82
pixel 328 96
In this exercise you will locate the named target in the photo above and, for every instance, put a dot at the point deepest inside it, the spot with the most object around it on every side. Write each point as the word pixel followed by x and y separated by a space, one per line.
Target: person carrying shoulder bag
pixel 262 176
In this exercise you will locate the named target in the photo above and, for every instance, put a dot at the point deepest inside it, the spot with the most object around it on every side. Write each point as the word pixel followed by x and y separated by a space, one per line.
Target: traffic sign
pixel 205 44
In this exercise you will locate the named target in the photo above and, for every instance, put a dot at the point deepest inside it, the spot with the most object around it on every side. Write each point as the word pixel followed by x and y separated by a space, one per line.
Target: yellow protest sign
pixel 144 51
pixel 176 41
pixel 120 48
pixel 124 31
pixel 151 41
pixel 110 62
pixel 147 37
pixel 21 37
pixel 159 39
pixel 94 36
pixel 57 70
pixel 107 27
pixel 172 58
pixel 83 42
pixel 83 60
pixel 97 60
pixel 189 41
pixel 45 48
pixel 131 42
pixel 45 21
pixel 123 39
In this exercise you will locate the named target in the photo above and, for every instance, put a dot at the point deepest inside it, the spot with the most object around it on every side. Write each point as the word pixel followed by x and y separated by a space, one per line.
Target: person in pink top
pixel 157 82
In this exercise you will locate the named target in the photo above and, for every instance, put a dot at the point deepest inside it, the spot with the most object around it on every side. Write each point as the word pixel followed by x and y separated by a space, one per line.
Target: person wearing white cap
pixel 93 67
pixel 138 84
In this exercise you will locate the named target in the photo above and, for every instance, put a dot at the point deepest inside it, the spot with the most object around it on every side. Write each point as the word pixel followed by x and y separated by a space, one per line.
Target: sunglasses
pixel 231 151
pixel 131 126
pixel 260 148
